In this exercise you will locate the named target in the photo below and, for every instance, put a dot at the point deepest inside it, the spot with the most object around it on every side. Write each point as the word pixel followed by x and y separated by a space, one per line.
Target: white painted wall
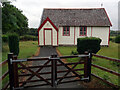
pixel 41 41
pixel 54 37
pixel 77 32
pixel 66 40
pixel 41 35
pixel 69 40
pixel 101 32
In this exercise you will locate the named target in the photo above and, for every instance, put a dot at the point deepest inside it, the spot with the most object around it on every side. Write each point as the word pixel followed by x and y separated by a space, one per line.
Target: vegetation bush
pixel 4 38
pixel 28 38
pixel 74 52
pixel 33 31
pixel 117 39
pixel 112 39
pixel 88 44
pixel 114 33
pixel 13 40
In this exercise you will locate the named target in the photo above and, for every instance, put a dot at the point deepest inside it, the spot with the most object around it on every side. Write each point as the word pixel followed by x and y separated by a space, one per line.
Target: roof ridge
pixel 72 8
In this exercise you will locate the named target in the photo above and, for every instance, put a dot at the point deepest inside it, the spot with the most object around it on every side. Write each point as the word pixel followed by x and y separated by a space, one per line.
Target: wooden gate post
pixel 15 70
pixel 87 67
pixel 53 70
pixel 10 70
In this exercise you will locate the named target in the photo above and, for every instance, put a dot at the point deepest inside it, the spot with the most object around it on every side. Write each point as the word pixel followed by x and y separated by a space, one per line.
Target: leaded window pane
pixel 67 28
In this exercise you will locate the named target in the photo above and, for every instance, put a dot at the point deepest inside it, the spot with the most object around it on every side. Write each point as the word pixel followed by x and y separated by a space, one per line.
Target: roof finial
pixel 101 4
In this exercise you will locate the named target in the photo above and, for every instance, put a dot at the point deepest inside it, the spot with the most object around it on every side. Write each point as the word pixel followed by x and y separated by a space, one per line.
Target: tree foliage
pixel 13 20
pixel 114 33
pixel 4 38
pixel 117 39
pixel 33 31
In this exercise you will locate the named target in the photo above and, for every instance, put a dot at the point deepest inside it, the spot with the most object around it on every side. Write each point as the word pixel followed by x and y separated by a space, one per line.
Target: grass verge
pixel 111 51
pixel 27 49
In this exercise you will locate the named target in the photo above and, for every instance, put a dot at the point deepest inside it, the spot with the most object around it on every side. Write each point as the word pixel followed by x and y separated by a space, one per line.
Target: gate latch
pixel 22 60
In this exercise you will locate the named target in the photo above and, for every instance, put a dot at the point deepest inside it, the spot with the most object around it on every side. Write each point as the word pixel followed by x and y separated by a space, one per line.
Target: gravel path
pixel 46 52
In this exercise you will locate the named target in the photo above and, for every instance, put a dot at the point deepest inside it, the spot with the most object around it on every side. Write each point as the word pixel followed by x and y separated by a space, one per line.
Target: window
pixel 83 31
pixel 66 31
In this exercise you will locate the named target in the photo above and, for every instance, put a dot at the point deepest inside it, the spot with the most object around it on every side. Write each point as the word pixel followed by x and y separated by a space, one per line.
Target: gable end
pixel 47 19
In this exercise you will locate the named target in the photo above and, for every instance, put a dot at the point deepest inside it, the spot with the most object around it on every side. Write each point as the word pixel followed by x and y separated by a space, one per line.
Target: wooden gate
pixel 19 68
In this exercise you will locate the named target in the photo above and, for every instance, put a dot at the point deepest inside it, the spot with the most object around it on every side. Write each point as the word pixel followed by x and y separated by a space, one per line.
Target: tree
pixel 13 20
pixel 33 31
pixel 117 39
pixel 114 33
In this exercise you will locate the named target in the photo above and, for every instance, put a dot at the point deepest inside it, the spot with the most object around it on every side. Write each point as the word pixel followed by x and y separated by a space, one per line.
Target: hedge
pixel 88 44
pixel 112 39
pixel 4 38
pixel 13 41
pixel 117 39
pixel 28 38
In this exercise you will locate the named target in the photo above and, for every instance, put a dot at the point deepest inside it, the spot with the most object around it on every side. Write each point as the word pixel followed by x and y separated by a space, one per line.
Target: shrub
pixel 88 44
pixel 13 40
pixel 4 38
pixel 28 37
pixel 74 52
pixel 112 39
pixel 117 39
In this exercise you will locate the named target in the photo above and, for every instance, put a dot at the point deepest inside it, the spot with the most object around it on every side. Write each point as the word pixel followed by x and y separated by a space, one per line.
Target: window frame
pixel 82 31
pixel 66 34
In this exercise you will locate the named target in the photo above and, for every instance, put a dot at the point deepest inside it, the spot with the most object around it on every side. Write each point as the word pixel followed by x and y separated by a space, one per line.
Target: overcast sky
pixel 32 9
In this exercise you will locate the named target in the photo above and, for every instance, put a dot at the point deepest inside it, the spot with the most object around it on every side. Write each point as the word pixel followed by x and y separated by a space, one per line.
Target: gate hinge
pixel 22 60
pixel 85 78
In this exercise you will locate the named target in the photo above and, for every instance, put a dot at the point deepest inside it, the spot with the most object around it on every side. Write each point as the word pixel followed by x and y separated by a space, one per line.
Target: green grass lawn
pixel 111 51
pixel 27 49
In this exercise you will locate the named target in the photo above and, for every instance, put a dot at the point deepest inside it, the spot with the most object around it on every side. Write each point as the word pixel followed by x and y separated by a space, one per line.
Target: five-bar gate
pixel 23 73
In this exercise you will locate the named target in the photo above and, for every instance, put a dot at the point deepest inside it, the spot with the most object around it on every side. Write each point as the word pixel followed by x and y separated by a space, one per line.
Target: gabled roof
pixel 77 17
pixel 47 19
